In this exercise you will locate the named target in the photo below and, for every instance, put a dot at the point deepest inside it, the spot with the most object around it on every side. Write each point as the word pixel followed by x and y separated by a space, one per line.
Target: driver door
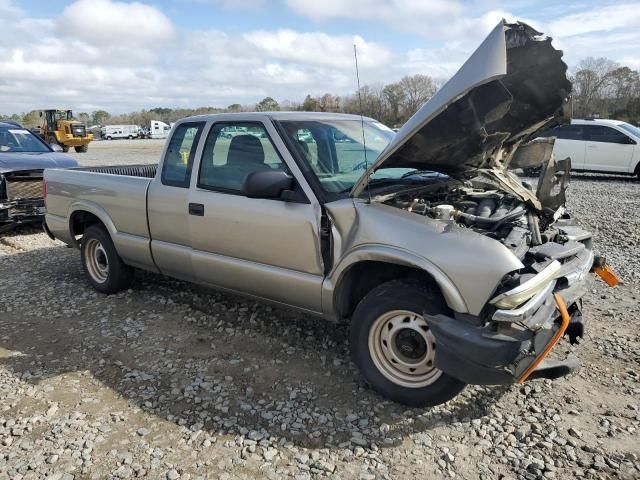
pixel 268 248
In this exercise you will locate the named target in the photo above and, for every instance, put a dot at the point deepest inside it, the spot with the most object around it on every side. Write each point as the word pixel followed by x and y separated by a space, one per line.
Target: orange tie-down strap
pixel 607 275
pixel 563 327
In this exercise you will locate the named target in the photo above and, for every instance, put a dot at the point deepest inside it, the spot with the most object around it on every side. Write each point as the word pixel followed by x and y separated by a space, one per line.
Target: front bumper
pixel 18 212
pixel 512 347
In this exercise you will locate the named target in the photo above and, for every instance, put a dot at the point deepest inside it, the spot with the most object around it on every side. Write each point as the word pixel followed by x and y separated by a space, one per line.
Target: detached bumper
pixel 19 212
pixel 514 345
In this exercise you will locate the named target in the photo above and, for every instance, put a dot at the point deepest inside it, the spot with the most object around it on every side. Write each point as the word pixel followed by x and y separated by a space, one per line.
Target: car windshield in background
pixel 20 140
pixel 635 131
pixel 334 151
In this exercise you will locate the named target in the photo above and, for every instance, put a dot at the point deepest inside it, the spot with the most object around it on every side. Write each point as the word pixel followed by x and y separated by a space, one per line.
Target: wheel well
pixel 364 276
pixel 80 220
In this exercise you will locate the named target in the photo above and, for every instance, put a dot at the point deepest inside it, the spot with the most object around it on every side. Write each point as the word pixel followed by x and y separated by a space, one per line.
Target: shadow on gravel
pixel 201 358
pixel 26 229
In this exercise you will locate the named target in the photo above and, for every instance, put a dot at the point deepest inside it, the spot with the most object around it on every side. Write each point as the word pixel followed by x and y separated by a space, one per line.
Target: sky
pixel 124 56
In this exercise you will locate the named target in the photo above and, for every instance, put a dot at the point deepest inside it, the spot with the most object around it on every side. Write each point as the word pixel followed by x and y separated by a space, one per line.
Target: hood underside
pixel 512 87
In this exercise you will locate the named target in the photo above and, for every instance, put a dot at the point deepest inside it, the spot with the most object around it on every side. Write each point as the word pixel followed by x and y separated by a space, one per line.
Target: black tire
pixel 65 148
pixel 82 148
pixel 118 275
pixel 109 138
pixel 130 137
pixel 398 295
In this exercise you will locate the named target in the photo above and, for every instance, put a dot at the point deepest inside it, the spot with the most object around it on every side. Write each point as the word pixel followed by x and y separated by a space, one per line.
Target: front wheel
pixel 393 347
pixel 65 148
pixel 82 148
pixel 103 267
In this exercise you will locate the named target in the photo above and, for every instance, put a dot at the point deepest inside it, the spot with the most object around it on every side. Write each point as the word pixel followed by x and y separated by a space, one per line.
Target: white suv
pixel 609 146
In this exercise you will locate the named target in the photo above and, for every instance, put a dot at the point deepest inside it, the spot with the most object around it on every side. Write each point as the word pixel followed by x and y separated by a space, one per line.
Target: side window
pixel 233 151
pixel 600 133
pixel 176 168
pixel 565 132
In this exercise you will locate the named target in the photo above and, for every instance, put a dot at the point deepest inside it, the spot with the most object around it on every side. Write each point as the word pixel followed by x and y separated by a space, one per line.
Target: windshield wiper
pixel 381 181
pixel 422 172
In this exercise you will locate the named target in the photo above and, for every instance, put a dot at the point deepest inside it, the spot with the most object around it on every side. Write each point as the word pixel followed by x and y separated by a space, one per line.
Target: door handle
pixel 196 209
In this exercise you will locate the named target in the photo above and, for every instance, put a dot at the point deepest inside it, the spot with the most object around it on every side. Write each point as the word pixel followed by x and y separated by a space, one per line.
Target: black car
pixel 23 158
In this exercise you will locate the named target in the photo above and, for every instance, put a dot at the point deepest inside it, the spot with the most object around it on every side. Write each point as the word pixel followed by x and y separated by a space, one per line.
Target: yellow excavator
pixel 59 127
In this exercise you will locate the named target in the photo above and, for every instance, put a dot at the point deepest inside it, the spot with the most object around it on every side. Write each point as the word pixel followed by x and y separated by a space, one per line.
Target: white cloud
pixel 123 56
pixel 319 48
pixel 116 64
pixel 104 22
pixel 426 17
pixel 603 19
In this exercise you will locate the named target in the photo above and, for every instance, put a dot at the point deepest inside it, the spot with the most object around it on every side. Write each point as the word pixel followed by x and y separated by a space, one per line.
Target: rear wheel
pixel 102 265
pixel 109 137
pixel 82 148
pixel 392 345
pixel 65 148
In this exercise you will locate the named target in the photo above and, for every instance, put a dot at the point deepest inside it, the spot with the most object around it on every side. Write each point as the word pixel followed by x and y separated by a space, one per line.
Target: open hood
pixel 512 87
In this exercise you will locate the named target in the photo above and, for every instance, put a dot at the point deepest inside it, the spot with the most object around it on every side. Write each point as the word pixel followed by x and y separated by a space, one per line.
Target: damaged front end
pixel 481 124
pixel 21 198
pixel 532 307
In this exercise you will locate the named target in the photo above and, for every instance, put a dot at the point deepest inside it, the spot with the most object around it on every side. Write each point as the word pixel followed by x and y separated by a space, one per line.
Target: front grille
pixel 79 131
pixel 24 189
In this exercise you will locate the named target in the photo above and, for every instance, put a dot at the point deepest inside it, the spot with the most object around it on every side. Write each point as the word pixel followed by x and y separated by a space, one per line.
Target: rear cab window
pixel 178 160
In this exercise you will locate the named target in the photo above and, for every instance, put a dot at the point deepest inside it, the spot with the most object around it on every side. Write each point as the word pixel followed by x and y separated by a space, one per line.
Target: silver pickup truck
pixel 449 269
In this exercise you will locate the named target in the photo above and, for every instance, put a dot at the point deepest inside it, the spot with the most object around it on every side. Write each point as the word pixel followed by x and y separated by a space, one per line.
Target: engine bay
pixel 486 210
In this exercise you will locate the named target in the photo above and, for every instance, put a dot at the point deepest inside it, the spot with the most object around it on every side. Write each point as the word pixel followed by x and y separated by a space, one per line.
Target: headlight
pixel 520 294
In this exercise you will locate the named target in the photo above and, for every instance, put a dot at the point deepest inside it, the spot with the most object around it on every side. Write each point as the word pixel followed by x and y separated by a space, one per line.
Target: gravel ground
pixel 120 152
pixel 171 380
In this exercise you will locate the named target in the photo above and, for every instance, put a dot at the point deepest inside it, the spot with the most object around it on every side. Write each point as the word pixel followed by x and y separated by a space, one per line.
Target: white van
pixel 158 129
pixel 119 131
pixel 609 146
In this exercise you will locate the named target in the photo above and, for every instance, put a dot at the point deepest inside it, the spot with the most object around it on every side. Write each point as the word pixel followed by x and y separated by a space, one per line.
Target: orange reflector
pixel 607 275
pixel 563 327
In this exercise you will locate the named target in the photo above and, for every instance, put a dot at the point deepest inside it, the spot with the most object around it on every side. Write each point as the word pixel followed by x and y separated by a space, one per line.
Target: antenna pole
pixel 364 140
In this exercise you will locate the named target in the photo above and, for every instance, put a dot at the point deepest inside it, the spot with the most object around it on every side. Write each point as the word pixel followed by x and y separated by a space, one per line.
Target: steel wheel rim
pixel 96 260
pixel 403 349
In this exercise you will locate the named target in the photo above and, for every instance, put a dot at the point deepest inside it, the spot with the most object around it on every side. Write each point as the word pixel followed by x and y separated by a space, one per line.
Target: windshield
pixel 635 131
pixel 20 140
pixel 333 149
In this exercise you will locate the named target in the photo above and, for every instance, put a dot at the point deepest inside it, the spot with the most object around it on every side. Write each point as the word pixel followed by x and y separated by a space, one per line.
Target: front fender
pixel 392 255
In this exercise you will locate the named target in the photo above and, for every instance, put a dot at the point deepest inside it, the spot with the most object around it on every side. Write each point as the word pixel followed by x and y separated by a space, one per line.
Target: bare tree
pixel 590 81
pixel 417 89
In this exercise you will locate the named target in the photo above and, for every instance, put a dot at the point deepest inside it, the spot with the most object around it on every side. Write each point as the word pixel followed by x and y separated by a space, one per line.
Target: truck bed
pixel 117 195
pixel 145 171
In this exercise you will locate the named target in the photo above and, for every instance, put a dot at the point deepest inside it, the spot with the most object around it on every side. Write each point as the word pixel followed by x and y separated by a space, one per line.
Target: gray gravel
pixel 171 380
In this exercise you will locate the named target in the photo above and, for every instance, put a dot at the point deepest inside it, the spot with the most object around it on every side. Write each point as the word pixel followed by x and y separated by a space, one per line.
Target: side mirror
pixel 55 147
pixel 267 184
